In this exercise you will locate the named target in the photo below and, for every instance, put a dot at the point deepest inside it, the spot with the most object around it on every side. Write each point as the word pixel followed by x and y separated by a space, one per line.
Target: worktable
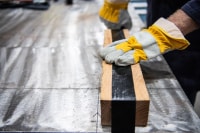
pixel 50 74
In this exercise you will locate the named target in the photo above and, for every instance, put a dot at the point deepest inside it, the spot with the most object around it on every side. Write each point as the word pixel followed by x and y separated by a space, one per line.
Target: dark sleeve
pixel 192 9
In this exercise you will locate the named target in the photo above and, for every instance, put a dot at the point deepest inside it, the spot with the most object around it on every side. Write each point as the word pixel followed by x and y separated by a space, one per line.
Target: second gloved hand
pixel 161 37
pixel 114 14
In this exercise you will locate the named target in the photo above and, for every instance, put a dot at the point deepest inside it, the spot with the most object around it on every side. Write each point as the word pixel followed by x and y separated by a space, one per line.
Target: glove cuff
pixel 111 11
pixel 167 36
pixel 117 1
pixel 169 27
pixel 115 5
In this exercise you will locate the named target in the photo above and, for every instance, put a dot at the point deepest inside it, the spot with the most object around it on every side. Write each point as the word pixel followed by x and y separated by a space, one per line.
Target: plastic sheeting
pixel 50 74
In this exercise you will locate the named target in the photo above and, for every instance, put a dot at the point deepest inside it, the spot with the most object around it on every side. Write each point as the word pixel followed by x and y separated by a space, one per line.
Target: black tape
pixel 123 96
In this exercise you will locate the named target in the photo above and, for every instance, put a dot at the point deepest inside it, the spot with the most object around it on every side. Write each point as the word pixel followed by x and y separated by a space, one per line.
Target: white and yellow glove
pixel 114 14
pixel 161 37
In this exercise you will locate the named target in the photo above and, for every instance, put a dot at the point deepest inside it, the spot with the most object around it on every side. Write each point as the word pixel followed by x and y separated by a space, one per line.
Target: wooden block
pixel 117 93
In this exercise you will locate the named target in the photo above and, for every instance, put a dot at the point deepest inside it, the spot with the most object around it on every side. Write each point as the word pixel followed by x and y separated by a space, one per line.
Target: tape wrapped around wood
pixel 124 97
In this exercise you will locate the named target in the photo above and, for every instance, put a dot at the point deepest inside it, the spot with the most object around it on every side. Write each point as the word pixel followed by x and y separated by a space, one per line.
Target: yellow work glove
pixel 114 14
pixel 161 37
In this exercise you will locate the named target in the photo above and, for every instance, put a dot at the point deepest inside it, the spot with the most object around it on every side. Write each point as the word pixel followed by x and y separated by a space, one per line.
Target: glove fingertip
pixel 101 53
pixel 125 60
pixel 105 51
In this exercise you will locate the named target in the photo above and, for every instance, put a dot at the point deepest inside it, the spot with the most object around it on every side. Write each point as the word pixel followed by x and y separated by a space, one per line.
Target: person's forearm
pixel 183 22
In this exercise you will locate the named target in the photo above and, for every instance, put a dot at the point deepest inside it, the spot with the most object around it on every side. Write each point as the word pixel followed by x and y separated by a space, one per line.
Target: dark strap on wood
pixel 123 104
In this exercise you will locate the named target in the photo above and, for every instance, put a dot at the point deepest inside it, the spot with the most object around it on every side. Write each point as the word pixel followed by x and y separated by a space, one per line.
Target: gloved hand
pixel 161 37
pixel 114 14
